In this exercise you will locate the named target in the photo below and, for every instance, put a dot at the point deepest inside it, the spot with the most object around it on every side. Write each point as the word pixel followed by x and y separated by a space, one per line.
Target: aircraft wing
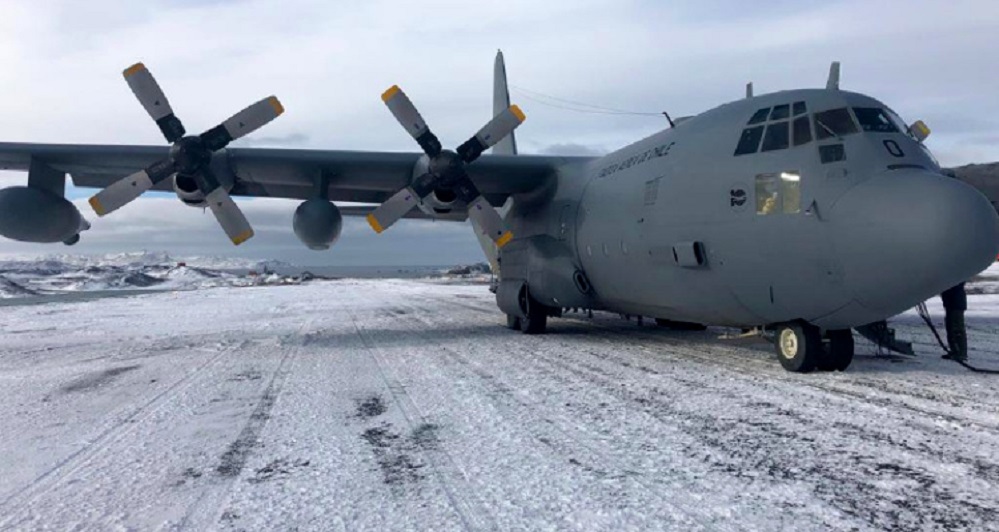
pixel 353 176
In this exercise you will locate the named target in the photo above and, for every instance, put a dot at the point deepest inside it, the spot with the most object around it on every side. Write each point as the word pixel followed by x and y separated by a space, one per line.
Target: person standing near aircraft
pixel 955 302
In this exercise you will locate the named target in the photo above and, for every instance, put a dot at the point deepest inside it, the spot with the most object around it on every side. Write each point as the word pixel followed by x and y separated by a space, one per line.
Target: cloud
pixel 329 64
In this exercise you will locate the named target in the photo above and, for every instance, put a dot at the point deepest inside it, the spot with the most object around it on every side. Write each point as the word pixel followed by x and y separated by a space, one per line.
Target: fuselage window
pixel 802 130
pixel 780 112
pixel 874 119
pixel 778 193
pixel 834 123
pixel 759 116
pixel 799 108
pixel 776 137
pixel 750 140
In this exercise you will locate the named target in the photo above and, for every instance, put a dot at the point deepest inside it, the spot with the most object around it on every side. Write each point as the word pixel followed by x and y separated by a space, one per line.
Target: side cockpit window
pixel 834 123
pixel 772 125
pixel 749 142
pixel 874 119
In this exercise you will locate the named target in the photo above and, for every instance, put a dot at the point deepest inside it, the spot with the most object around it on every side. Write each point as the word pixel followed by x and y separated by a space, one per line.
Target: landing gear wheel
pixel 799 346
pixel 537 315
pixel 512 322
pixel 839 354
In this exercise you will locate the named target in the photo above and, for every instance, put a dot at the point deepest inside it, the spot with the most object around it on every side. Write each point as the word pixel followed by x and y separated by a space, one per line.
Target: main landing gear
pixel 801 348
pixel 536 321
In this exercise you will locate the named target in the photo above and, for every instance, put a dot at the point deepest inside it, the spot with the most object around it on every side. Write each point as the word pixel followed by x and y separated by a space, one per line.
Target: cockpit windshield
pixel 834 123
pixel 874 119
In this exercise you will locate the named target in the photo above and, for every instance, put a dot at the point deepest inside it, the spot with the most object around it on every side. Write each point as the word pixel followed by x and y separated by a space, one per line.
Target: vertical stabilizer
pixel 501 100
pixel 507 146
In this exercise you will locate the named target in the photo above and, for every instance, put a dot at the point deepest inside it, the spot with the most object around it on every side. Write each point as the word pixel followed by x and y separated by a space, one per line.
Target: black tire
pixel 512 322
pixel 840 353
pixel 798 346
pixel 537 315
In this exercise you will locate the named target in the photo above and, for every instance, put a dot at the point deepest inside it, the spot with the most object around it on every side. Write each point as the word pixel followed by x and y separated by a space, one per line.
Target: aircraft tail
pixel 507 146
pixel 501 100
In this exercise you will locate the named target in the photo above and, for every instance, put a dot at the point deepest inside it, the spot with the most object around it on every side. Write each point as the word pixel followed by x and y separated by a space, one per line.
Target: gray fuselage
pixel 845 224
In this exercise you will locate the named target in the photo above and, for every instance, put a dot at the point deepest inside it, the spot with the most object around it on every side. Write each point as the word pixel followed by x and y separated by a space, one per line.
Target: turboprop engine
pixel 187 190
pixel 35 215
pixel 317 223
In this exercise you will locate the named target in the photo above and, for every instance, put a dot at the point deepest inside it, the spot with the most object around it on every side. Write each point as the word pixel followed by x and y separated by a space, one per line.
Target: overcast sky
pixel 330 61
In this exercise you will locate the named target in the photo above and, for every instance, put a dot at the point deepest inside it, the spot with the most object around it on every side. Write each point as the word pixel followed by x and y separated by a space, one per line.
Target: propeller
pixel 189 155
pixel 447 169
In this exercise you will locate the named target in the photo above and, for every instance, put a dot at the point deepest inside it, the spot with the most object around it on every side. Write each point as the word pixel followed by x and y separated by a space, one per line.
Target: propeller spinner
pixel 447 168
pixel 189 155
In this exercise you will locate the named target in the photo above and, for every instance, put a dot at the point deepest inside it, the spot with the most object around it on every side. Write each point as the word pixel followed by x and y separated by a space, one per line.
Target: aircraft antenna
pixel 833 82
pixel 668 119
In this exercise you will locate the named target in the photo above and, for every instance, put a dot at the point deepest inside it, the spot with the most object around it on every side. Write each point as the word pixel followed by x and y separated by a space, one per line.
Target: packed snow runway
pixel 386 404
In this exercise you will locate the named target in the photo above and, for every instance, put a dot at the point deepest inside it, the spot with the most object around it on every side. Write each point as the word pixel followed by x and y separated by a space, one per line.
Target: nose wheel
pixel 799 346
pixel 801 349
pixel 838 353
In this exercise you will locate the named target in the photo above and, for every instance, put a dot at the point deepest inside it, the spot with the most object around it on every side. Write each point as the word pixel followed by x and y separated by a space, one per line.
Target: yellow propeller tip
pixel 503 240
pixel 387 95
pixel 134 69
pixel 242 237
pixel 374 223
pixel 96 205
pixel 276 104
pixel 518 113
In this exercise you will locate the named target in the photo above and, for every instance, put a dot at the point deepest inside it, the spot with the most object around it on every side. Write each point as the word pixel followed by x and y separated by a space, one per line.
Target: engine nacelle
pixel 440 201
pixel 317 223
pixel 36 215
pixel 188 192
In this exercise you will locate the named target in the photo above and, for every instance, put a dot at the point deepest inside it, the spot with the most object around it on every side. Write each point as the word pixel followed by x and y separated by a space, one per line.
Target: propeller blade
pixel 489 221
pixel 127 189
pixel 496 130
pixel 151 96
pixel 481 212
pixel 394 208
pixel 228 214
pixel 405 112
pixel 243 123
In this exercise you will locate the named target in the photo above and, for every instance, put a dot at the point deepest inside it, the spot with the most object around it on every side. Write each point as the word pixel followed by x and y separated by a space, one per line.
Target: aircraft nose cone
pixel 907 235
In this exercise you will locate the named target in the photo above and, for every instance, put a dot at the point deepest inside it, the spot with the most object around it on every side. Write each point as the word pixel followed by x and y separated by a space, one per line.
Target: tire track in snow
pixel 552 432
pixel 474 515
pixel 14 507
pixel 923 508
pixel 207 512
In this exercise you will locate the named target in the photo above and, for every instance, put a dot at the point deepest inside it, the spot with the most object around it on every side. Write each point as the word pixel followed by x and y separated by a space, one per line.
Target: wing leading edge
pixel 352 176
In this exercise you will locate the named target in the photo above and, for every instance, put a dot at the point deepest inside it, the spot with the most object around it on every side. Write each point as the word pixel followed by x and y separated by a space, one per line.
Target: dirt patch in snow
pixel 96 380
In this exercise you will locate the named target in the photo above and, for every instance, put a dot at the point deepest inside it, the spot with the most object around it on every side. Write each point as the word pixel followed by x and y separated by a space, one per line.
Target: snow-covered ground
pixel 62 274
pixel 404 404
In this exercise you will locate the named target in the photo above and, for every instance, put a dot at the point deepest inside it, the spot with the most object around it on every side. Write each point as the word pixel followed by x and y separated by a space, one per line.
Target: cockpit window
pixel 874 119
pixel 759 116
pixel 750 140
pixel 776 137
pixel 802 131
pixel 834 123
pixel 780 112
pixel 799 108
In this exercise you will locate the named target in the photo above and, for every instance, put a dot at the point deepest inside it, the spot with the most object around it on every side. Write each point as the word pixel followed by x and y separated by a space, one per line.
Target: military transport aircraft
pixel 808 211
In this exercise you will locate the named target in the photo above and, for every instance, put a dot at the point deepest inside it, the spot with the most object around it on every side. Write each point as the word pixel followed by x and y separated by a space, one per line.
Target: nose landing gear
pixel 801 349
